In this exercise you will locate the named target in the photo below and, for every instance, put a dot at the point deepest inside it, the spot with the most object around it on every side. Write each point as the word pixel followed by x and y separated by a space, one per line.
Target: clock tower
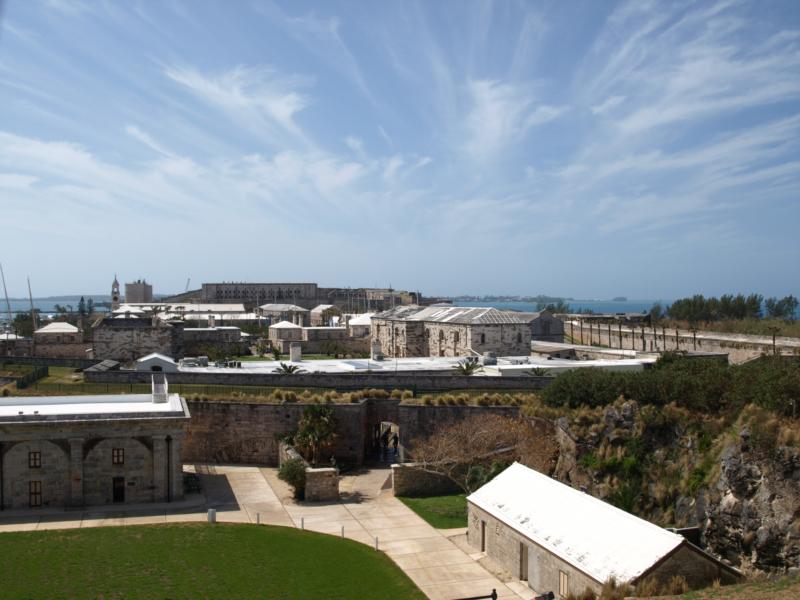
pixel 115 294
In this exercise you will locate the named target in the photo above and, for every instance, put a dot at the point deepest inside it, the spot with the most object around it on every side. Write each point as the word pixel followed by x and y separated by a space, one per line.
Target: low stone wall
pixel 340 381
pixel 408 480
pixel 49 361
pixel 322 485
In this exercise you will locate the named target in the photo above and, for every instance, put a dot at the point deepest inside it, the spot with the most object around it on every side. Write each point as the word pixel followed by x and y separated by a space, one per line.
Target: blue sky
pixel 588 149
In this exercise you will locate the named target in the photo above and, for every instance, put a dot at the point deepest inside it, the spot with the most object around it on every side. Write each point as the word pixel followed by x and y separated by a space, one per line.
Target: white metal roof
pixel 597 538
pixel 365 319
pixel 321 308
pixel 282 308
pixel 58 327
pixel 157 355
pixel 285 325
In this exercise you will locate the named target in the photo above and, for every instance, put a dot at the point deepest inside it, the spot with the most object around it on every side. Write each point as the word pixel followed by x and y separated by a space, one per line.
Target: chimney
pixel 160 388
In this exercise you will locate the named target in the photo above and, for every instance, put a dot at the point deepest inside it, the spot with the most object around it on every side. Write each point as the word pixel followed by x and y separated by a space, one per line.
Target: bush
pixel 293 472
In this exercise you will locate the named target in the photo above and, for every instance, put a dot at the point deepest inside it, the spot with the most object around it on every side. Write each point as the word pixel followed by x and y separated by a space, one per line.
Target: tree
pixel 316 431
pixel 276 353
pixel 293 472
pixel 785 308
pixel 287 369
pixel 468 366
pixel 82 307
pixel 464 450
pixel 656 312
pixel 559 306
pixel 90 306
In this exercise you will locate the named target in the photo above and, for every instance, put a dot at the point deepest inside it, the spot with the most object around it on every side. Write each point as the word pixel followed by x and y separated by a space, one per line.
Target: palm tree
pixel 286 369
pixel 468 366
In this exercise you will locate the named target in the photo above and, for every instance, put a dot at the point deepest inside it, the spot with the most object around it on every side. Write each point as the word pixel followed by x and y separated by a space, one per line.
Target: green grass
pixel 442 512
pixel 195 561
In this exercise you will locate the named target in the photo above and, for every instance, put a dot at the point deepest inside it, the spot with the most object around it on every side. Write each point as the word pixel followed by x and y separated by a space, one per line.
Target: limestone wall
pixel 421 382
pixel 504 547
pixel 740 350
pixel 242 432
pixel 408 480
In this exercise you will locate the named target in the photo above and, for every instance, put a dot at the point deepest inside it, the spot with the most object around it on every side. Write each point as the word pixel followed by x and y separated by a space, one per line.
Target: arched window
pixel 441 335
pixel 483 338
pixel 455 337
pixel 519 338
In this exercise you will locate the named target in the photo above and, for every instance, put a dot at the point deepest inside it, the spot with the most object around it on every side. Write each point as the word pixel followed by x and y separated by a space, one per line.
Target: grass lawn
pixel 195 561
pixel 442 512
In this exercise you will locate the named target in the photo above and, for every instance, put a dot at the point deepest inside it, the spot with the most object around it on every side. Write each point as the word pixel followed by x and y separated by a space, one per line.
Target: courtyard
pixel 437 561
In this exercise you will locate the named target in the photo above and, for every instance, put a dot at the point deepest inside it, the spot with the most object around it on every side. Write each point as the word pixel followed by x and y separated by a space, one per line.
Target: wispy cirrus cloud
pixel 251 96
pixel 501 115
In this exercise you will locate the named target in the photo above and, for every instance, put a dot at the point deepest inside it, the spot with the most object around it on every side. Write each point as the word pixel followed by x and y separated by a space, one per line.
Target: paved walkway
pixel 444 569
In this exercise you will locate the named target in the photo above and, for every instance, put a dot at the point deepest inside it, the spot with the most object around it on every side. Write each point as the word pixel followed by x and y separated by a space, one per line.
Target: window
pixel 455 337
pixel 34 460
pixel 118 456
pixel 563 584
pixel 34 493
pixel 441 335
pixel 483 338
pixel 519 338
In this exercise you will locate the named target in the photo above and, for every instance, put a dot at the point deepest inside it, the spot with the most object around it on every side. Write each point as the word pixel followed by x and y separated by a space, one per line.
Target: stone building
pixel 451 331
pixel 284 312
pixel 60 340
pixel 325 315
pixel 561 540
pixel 256 294
pixel 359 326
pixel 138 292
pixel 546 327
pixel 282 334
pixel 126 339
pixel 77 451
pixel 306 295
pixel 227 340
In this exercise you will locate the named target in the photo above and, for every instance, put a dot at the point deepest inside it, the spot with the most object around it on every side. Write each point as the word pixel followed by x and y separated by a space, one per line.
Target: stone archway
pixel 115 458
pixel 20 474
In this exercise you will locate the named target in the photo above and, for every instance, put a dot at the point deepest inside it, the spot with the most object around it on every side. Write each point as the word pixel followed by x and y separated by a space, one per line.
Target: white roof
pixel 285 325
pixel 595 537
pixel 124 405
pixel 126 308
pixel 282 308
pixel 59 327
pixel 365 319
pixel 321 307
pixel 157 355
pixel 10 336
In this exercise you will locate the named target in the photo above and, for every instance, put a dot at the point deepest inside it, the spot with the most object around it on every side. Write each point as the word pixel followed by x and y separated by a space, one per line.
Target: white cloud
pixel 501 114
pixel 607 105
pixel 146 139
pixel 16 181
pixel 249 95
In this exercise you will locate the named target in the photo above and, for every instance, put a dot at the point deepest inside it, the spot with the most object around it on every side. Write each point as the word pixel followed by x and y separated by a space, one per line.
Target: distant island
pixel 619 299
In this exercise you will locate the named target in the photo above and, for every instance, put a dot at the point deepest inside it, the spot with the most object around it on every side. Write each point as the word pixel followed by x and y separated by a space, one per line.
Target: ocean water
pixel 598 306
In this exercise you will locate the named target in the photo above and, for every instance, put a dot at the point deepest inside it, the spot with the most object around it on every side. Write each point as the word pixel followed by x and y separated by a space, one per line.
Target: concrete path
pixel 444 569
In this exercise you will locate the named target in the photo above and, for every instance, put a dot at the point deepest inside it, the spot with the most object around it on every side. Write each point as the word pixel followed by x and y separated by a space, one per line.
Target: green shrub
pixel 293 472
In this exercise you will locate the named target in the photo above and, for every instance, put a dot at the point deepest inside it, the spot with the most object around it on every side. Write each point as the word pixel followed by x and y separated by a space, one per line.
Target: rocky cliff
pixel 738 483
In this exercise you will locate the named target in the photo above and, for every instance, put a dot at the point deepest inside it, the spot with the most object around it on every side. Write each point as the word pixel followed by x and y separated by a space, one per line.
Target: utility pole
pixel 5 291
pixel 33 312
